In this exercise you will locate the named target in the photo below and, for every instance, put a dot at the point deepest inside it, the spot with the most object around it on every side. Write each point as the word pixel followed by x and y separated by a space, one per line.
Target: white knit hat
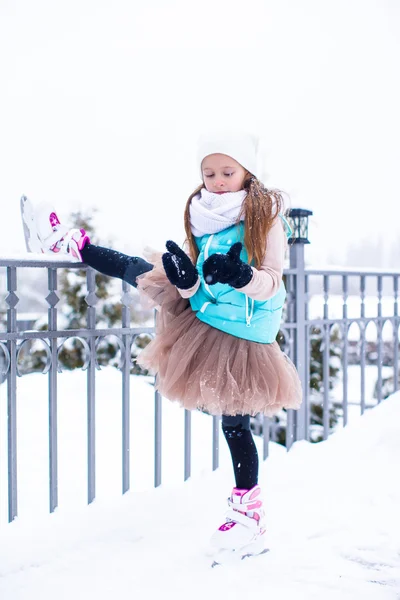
pixel 242 147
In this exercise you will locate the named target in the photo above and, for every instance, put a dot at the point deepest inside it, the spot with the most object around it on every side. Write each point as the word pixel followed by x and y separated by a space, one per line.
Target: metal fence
pixel 298 330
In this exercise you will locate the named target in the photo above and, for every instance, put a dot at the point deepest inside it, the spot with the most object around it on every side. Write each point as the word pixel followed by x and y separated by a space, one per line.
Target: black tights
pixel 243 450
pixel 236 429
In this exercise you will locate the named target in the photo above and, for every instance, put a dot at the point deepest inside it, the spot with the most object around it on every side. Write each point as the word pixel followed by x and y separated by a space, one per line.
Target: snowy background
pixel 101 104
pixel 102 101
pixel 332 508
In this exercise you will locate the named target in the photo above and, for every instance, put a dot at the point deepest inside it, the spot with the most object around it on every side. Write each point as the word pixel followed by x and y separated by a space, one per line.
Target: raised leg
pixel 115 264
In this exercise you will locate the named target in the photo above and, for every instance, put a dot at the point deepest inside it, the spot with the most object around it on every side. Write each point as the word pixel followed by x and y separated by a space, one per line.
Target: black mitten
pixel 227 268
pixel 178 267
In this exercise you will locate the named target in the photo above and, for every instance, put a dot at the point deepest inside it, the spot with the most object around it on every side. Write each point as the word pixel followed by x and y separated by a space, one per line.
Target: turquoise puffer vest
pixel 228 309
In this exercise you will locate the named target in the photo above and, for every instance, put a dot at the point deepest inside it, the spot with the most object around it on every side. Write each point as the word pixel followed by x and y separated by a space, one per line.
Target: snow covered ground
pixel 332 508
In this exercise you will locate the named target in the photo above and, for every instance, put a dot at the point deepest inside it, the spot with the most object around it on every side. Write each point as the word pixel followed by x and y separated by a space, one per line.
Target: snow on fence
pixel 309 316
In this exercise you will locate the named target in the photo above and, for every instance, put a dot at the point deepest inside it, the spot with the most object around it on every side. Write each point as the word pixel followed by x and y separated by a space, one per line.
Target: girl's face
pixel 222 174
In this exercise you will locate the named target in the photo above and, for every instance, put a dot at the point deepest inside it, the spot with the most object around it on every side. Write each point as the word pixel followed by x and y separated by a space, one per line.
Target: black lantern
pixel 298 220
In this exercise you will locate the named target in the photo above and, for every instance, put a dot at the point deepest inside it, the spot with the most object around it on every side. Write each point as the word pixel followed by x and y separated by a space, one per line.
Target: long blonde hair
pixel 260 208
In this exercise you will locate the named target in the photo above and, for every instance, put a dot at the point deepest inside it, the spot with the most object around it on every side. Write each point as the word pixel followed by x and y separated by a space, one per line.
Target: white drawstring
pixel 249 316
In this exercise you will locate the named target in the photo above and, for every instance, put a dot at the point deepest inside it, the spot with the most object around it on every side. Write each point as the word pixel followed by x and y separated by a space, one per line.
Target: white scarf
pixel 210 213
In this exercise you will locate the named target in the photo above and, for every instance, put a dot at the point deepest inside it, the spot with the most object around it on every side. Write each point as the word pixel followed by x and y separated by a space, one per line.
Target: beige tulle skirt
pixel 204 368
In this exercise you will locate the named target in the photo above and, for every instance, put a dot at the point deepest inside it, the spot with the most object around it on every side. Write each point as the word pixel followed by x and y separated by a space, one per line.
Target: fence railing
pixel 325 342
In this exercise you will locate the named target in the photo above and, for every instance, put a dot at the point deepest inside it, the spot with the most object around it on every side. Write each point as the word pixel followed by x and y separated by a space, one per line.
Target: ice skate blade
pixel 232 557
pixel 32 240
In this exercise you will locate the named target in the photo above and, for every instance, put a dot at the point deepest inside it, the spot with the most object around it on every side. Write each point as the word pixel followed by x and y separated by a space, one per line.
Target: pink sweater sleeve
pixel 191 291
pixel 267 279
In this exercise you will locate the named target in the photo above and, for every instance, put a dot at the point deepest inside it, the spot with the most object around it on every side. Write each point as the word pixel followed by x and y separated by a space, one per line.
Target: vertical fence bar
pixel 326 356
pixel 126 379
pixel 297 262
pixel 362 343
pixel 291 337
pixel 379 330
pixel 52 300
pixel 306 391
pixel 266 436
pixel 187 444
pixel 290 428
pixel 12 300
pixel 91 300
pixel 273 433
pixel 157 438
pixel 396 333
pixel 215 442
pixel 345 356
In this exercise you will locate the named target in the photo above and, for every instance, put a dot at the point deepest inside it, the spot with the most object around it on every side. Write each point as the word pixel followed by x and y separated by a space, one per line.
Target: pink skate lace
pixel 54 221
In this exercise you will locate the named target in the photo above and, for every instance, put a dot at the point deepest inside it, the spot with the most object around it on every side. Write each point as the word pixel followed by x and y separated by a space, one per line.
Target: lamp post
pixel 298 220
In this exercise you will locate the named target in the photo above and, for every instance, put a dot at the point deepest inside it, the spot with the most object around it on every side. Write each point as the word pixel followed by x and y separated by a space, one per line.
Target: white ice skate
pixel 44 234
pixel 243 533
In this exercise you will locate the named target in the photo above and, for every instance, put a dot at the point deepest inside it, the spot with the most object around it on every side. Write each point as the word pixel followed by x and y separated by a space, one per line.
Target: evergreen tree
pixel 316 356
pixel 316 383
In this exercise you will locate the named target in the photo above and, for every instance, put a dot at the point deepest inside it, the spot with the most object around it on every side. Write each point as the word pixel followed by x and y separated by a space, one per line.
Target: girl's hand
pixel 178 267
pixel 227 268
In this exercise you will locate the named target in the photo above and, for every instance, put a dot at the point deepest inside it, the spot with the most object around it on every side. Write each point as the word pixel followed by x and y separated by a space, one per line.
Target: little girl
pixel 219 310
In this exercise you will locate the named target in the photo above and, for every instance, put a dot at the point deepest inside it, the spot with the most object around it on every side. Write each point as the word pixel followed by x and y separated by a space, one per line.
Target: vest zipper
pixel 249 313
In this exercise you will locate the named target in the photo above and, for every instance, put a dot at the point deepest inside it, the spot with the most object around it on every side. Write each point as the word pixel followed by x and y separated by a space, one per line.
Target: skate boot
pixel 45 234
pixel 71 244
pixel 242 534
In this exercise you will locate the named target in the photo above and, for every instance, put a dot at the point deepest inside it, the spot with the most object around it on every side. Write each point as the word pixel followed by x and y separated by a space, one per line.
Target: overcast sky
pixel 101 103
